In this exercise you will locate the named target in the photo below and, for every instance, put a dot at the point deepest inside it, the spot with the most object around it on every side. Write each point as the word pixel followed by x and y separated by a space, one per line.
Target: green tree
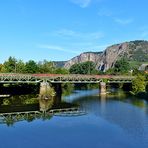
pixel 75 69
pixel 9 65
pixel 110 71
pixel 122 66
pixel 137 72
pixel 139 84
pixel 61 71
pixel 31 67
pixel 46 67
pixel 83 68
pixel 20 67
pixel 1 67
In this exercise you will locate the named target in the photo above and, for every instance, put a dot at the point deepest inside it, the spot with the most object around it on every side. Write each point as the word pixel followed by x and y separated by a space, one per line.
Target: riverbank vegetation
pixel 140 86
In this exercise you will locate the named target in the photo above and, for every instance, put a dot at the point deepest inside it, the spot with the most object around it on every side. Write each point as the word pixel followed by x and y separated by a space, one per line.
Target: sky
pixel 57 30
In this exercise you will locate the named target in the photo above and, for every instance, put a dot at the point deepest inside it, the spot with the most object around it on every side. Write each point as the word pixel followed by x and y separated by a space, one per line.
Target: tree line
pixel 12 65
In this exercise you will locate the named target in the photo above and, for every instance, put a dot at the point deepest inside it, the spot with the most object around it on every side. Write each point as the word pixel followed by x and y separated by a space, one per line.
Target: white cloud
pixel 123 21
pixel 72 49
pixel 75 42
pixel 57 48
pixel 107 13
pixel 79 35
pixel 82 3
pixel 65 32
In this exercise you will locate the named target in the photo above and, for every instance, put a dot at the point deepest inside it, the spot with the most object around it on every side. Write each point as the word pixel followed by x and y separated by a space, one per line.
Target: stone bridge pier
pixel 102 88
pixel 44 88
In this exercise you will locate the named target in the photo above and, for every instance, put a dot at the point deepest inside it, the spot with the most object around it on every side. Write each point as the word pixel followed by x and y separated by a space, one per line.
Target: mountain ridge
pixel 134 51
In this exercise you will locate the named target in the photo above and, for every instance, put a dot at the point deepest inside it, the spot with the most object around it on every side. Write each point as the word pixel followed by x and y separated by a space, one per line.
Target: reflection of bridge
pixel 68 112
pixel 45 79
pixel 13 117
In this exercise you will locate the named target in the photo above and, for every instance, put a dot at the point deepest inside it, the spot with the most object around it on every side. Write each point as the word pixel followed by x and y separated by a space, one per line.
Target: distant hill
pixel 136 52
pixel 59 63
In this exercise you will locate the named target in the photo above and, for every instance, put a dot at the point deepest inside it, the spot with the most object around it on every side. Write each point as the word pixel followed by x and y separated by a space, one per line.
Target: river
pixel 116 121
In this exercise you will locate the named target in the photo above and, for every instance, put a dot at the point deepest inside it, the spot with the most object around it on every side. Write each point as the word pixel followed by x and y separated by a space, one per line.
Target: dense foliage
pixel 12 65
pixel 139 84
pixel 83 68
pixel 121 66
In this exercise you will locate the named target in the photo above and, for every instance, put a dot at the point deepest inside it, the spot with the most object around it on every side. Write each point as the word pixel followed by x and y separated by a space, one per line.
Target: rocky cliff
pixel 133 51
pixel 87 56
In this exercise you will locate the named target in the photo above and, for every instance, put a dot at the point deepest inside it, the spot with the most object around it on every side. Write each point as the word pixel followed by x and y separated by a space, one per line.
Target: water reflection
pixel 126 112
pixel 111 121
pixel 28 108
pixel 45 104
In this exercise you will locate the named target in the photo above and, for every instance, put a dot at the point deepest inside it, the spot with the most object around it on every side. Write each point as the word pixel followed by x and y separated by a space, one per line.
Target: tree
pixel 122 66
pixel 75 69
pixel 83 68
pixel 61 71
pixel 46 67
pixel 110 71
pixel 1 67
pixel 31 67
pixel 20 67
pixel 139 84
pixel 10 65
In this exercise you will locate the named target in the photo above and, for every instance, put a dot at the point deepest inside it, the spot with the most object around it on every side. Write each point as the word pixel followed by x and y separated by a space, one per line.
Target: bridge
pixel 46 79
pixel 61 78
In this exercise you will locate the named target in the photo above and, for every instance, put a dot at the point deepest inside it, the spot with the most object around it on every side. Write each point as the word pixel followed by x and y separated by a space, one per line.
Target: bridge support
pixel 46 91
pixel 102 88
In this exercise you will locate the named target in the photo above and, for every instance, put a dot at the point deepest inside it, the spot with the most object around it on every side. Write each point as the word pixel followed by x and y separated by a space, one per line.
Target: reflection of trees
pixel 45 116
pixel 20 100
pixel 139 103
pixel 30 117
pixel 67 89
pixel 10 119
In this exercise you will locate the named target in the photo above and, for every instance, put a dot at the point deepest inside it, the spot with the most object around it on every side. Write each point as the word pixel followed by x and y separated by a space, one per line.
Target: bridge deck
pixel 59 78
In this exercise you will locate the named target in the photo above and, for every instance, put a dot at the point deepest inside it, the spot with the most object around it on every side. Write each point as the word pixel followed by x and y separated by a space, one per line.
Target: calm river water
pixel 112 122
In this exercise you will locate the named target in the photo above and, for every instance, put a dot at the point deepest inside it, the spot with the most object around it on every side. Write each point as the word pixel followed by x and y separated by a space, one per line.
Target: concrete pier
pixel 46 91
pixel 102 88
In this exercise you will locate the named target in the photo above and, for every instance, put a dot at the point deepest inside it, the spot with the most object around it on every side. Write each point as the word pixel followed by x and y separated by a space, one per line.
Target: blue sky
pixel 61 29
